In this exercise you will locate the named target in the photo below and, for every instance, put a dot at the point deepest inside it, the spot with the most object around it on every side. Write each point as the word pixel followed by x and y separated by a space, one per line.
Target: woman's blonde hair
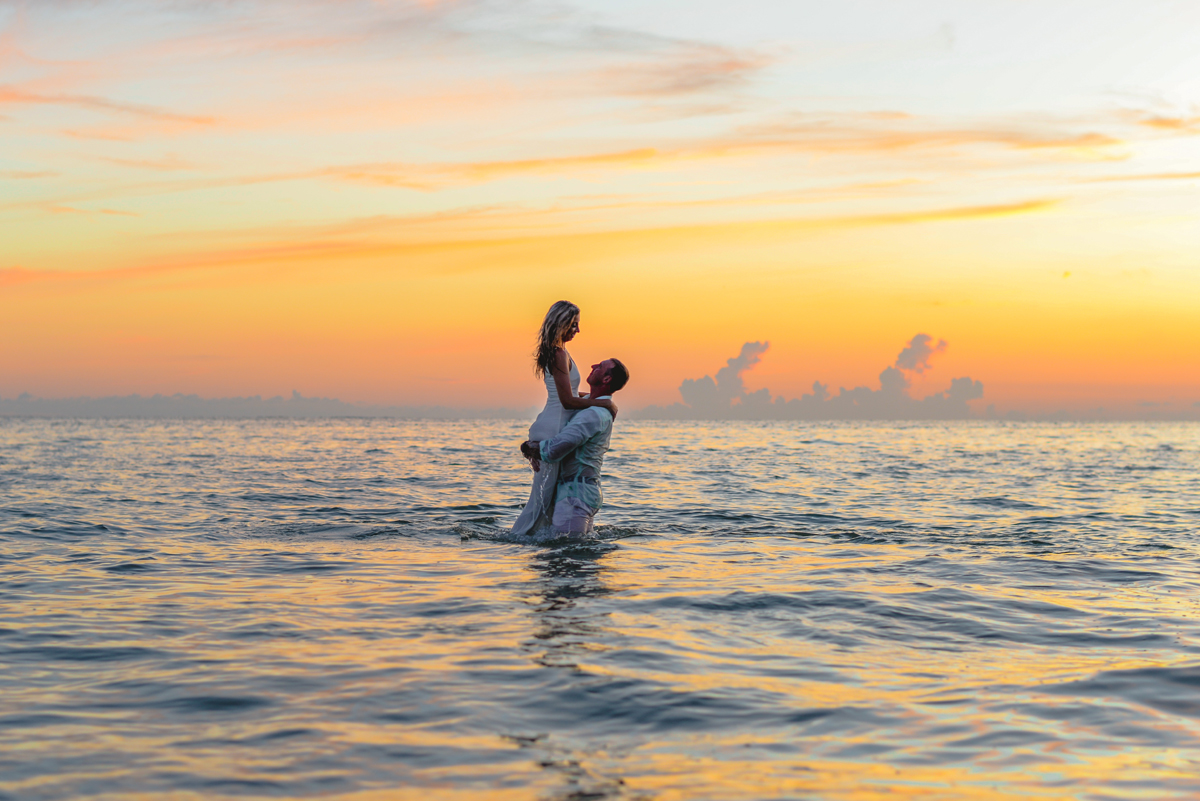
pixel 560 317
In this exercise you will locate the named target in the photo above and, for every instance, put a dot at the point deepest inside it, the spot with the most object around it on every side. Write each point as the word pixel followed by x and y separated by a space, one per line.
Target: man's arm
pixel 584 425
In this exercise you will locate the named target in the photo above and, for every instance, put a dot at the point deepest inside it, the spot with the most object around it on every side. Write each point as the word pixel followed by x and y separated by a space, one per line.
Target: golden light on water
pixel 851 611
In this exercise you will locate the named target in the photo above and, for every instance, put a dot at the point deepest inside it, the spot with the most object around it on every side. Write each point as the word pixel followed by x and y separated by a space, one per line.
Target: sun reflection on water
pixel 851 611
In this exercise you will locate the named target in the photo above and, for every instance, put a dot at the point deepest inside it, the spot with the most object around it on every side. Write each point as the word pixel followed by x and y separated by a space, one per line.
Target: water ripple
pixel 333 608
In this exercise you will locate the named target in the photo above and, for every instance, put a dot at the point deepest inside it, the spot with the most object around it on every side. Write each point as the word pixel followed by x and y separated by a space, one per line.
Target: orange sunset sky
pixel 377 200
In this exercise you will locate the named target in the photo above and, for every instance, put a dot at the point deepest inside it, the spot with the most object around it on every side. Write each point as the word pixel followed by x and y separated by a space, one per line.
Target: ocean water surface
pixel 301 609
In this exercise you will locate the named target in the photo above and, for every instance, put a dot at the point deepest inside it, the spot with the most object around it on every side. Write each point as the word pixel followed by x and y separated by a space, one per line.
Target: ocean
pixel 328 608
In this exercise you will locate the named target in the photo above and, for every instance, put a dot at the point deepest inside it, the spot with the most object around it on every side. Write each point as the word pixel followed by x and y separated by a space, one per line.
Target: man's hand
pixel 529 449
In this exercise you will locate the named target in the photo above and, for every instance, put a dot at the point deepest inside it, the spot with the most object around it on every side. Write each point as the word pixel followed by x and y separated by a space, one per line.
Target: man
pixel 579 449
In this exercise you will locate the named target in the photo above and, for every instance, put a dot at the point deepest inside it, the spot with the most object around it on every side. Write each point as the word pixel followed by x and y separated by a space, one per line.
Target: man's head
pixel 607 377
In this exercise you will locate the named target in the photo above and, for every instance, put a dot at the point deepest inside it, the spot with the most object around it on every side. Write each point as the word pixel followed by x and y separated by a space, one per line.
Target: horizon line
pixel 298 406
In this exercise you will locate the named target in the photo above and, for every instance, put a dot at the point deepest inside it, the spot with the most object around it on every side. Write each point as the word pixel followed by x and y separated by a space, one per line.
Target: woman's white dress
pixel 536 517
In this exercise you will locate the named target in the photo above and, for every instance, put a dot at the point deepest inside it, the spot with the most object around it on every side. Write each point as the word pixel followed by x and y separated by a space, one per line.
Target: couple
pixel 568 440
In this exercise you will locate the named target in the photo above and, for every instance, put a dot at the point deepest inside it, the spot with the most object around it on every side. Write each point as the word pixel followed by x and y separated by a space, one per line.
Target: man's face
pixel 598 378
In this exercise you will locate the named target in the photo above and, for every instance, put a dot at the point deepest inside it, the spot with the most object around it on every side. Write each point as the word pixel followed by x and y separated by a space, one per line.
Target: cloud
pixel 459 230
pixel 885 134
pixel 166 164
pixel 726 398
pixel 947 214
pixel 376 51
pixel 58 209
pixel 102 136
pixel 685 70
pixel 438 176
pixel 916 355
pixel 1154 176
pixel 708 396
pixel 13 96
pixel 22 175
pixel 19 275
pixel 893 132
pixel 1178 123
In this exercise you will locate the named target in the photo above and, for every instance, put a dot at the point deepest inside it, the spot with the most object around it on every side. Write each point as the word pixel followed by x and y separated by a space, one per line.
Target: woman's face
pixel 571 330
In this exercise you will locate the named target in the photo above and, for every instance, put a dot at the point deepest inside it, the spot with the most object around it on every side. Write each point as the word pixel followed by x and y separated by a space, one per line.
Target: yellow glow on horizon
pixel 345 229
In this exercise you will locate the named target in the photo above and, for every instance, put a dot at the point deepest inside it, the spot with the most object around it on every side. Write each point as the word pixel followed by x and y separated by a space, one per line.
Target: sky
pixel 377 200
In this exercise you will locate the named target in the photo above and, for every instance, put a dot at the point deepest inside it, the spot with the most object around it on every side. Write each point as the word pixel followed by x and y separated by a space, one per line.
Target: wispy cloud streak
pixel 14 96
pixel 393 236
pixel 1152 176
pixel 25 175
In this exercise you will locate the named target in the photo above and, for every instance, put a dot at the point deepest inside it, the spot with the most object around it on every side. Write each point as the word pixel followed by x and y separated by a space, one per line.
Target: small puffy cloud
pixel 916 355
pixel 892 382
pixel 726 398
pixel 731 374
pixel 715 397
pixel 964 389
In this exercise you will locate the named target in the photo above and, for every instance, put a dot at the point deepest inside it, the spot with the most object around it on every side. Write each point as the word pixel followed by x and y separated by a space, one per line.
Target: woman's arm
pixel 562 383
pixel 606 403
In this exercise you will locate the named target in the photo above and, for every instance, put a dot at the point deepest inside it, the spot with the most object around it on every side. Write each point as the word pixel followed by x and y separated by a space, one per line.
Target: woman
pixel 553 364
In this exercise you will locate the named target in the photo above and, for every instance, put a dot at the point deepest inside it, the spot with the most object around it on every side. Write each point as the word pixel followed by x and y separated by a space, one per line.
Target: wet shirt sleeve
pixel 583 426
